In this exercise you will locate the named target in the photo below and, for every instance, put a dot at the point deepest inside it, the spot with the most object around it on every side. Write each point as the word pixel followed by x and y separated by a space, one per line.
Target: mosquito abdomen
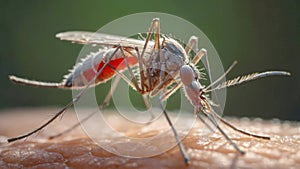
pixel 85 71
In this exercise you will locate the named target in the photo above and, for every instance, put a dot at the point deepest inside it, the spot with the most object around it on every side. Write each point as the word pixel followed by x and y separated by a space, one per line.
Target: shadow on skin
pixel 76 150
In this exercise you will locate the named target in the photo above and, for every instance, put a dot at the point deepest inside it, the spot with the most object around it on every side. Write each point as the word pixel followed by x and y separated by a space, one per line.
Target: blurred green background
pixel 261 35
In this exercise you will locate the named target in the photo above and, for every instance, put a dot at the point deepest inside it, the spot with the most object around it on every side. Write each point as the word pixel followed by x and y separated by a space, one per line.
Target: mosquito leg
pixel 146 99
pixel 154 25
pixel 72 127
pixel 193 44
pixel 101 107
pixel 125 78
pixel 75 99
pixel 203 121
pixel 239 130
pixel 199 56
pixel 141 69
pixel 181 147
pixel 148 106
pixel 171 91
pixel 134 81
pixel 213 121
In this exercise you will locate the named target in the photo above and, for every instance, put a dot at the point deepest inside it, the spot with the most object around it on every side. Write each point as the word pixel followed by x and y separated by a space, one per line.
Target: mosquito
pixel 163 65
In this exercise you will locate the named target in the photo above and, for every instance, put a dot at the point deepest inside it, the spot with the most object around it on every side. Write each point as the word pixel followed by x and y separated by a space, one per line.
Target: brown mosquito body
pixel 162 65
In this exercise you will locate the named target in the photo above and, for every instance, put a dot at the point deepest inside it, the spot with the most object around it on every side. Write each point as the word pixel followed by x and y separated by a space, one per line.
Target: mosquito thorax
pixel 163 65
pixel 174 55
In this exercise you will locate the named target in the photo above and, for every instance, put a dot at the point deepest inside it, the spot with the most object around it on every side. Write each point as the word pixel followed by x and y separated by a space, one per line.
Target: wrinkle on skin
pixel 76 150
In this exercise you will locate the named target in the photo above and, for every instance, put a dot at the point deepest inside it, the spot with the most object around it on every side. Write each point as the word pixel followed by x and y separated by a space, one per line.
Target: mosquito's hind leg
pixel 101 107
pixel 74 100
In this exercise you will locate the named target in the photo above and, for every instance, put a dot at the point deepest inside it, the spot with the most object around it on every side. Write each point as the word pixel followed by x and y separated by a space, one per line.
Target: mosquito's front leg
pixel 213 121
pixel 193 44
pixel 155 24
pixel 181 146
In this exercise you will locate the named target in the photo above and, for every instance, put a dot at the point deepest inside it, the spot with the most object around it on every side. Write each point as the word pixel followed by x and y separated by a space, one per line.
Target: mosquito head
pixel 189 71
pixel 186 75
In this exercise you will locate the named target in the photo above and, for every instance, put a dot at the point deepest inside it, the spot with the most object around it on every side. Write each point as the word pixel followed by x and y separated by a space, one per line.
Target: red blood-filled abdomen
pixel 85 71
pixel 107 73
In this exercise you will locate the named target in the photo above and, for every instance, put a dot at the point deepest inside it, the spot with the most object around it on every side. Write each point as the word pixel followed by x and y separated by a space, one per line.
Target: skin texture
pixel 76 150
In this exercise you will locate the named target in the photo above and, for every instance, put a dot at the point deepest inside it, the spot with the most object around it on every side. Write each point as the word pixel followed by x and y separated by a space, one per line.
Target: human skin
pixel 77 150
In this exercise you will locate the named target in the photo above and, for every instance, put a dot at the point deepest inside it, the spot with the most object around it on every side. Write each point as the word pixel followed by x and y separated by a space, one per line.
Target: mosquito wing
pixel 100 39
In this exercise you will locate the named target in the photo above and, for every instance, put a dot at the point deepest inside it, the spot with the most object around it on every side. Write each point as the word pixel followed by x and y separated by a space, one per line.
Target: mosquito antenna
pixel 249 77
pixel 221 77
pixel 68 105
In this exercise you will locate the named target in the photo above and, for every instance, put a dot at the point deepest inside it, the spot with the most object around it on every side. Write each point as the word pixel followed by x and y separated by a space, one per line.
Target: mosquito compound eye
pixel 186 75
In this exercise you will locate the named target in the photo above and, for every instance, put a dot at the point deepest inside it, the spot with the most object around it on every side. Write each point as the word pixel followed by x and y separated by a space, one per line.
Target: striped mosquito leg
pixel 71 103
pixel 101 107
pixel 181 146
